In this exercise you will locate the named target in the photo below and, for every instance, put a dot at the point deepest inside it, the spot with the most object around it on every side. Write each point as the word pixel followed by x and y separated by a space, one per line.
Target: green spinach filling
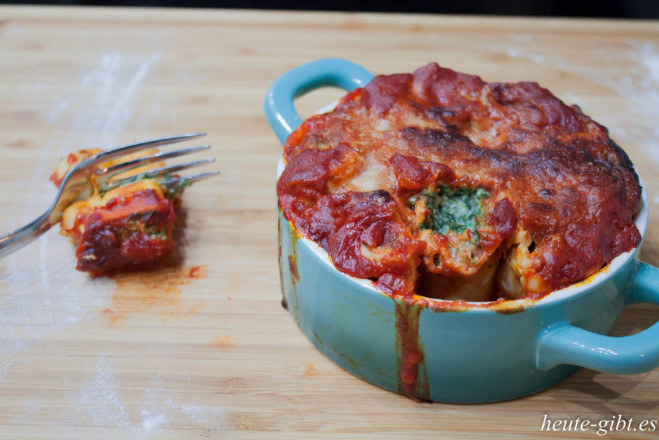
pixel 155 233
pixel 454 209
pixel 171 190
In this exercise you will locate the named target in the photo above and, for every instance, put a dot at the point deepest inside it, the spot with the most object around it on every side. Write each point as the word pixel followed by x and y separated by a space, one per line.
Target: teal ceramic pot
pixel 453 351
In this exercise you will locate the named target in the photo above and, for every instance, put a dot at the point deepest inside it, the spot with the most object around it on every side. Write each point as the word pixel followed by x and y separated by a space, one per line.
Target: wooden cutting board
pixel 200 347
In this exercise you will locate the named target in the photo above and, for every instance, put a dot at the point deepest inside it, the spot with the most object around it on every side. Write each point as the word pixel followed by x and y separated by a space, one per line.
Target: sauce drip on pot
pixel 410 351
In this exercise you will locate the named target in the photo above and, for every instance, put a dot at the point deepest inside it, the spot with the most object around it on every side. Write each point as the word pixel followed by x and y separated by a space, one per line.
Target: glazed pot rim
pixel 498 306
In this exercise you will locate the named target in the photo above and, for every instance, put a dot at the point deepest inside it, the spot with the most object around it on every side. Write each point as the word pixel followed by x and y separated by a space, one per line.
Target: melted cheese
pixel 97 201
pixel 551 174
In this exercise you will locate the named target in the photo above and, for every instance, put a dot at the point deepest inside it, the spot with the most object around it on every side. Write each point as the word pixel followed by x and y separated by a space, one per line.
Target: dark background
pixel 636 9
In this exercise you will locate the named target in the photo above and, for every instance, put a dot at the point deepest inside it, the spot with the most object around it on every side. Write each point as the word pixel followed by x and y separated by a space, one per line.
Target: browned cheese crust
pixel 561 193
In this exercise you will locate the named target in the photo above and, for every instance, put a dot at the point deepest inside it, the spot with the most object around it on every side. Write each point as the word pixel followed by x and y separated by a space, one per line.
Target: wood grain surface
pixel 199 347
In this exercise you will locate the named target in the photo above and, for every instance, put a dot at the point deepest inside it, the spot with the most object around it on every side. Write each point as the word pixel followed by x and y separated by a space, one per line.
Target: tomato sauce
pixel 132 228
pixel 550 171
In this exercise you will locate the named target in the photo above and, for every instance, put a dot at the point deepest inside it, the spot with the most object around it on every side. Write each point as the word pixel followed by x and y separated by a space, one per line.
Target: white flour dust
pixel 113 95
pixel 153 420
pixel 34 305
pixel 637 83
pixel 101 405
pixel 107 94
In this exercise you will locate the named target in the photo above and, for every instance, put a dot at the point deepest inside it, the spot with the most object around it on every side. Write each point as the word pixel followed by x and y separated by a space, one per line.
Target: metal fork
pixel 77 183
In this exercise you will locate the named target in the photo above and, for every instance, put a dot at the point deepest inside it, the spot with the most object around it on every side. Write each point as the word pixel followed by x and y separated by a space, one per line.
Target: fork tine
pixel 135 163
pixel 190 179
pixel 160 172
pixel 130 148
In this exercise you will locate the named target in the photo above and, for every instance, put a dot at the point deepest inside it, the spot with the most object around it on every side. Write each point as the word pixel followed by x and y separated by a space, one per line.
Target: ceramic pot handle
pixel 328 72
pixel 563 343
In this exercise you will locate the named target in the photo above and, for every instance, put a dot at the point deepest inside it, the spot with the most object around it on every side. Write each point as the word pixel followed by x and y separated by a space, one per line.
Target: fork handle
pixel 24 235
